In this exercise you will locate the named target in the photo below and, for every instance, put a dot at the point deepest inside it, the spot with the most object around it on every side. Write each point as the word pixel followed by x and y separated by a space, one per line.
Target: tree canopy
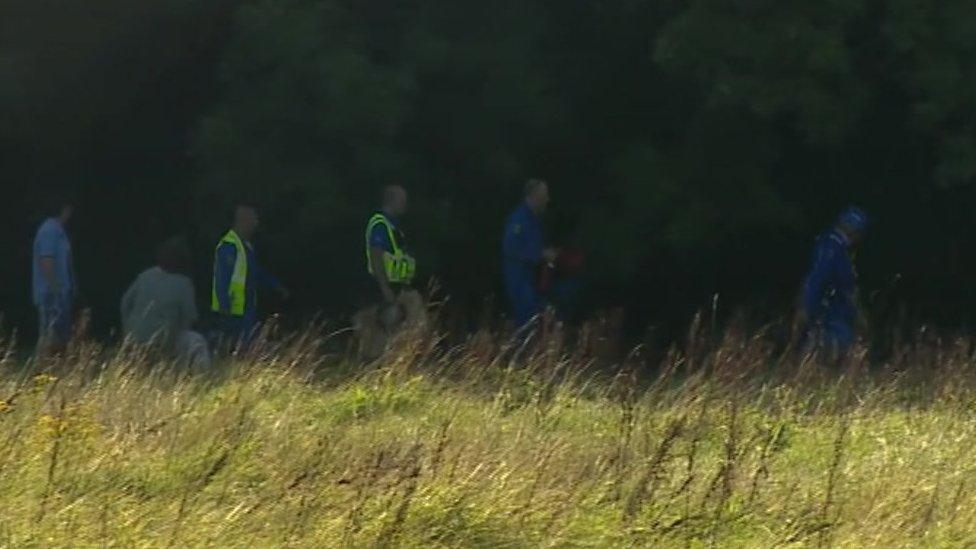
pixel 693 147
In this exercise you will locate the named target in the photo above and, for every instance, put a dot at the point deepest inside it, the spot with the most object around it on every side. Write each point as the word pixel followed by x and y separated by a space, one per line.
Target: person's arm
pixel 75 285
pixel 525 245
pixel 47 249
pixel 128 302
pixel 520 245
pixel 379 243
pixel 816 283
pixel 224 261
pixel 189 306
pixel 379 274
pixel 846 273
pixel 266 280
pixel 49 274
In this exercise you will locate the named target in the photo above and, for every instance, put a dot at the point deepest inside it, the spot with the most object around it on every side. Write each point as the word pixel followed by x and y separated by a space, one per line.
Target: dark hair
pixel 173 256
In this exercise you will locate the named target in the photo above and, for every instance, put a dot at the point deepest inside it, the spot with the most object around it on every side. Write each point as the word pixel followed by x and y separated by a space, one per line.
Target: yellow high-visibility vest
pixel 238 279
pixel 399 266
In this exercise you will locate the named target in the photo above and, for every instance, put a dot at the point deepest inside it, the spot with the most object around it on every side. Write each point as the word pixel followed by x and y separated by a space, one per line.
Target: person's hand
pixel 550 255
pixel 800 320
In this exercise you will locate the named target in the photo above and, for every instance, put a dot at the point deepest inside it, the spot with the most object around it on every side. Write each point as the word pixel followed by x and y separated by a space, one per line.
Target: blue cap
pixel 855 218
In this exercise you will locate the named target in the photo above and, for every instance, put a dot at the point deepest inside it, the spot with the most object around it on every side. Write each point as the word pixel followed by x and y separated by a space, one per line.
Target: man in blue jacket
pixel 524 251
pixel 829 302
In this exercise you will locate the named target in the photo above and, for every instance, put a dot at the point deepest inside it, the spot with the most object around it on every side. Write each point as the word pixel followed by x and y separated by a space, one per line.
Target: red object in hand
pixel 568 262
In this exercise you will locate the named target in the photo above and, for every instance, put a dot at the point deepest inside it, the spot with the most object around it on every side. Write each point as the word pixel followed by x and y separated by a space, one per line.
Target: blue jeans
pixel 833 336
pixel 55 319
pixel 236 330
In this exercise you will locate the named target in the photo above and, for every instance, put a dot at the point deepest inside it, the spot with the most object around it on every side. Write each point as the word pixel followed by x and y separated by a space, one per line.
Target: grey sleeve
pixel 190 304
pixel 128 302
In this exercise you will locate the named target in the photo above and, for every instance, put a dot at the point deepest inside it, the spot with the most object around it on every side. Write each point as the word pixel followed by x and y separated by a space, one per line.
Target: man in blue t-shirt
pixel 829 302
pixel 524 251
pixel 53 282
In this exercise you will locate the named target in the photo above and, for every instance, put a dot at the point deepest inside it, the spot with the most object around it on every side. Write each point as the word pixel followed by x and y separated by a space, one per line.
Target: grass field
pixel 486 446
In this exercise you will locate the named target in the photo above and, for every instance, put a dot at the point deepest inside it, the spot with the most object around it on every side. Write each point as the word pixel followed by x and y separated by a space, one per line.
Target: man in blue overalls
pixel 829 303
pixel 524 251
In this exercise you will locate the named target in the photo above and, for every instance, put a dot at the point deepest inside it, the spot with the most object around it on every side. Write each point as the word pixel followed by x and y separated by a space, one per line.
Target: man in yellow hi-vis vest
pixel 237 277
pixel 392 270
pixel 387 260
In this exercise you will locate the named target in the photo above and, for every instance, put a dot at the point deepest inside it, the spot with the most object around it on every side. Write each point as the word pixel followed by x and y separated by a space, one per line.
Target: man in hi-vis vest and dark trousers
pixel 387 261
pixel 237 277
pixel 392 270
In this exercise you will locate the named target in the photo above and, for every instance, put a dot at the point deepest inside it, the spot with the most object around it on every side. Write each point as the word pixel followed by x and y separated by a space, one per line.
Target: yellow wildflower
pixel 41 380
pixel 51 426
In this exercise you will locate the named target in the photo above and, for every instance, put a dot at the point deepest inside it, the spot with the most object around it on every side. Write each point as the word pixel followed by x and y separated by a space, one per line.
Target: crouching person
pixel 159 308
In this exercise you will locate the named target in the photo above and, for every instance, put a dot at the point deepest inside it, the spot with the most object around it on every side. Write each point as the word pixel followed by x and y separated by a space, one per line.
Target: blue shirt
pixel 226 257
pixel 522 245
pixel 52 242
pixel 829 290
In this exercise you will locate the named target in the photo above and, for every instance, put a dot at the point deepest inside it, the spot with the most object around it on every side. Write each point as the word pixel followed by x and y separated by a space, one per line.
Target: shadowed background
pixel 693 147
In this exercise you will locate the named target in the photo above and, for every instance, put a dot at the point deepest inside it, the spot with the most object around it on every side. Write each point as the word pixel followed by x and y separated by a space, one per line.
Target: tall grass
pixel 490 444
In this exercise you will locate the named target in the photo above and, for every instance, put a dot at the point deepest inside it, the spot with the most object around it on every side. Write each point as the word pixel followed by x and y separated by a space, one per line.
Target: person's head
pixel 537 195
pixel 245 220
pixel 395 200
pixel 853 222
pixel 173 256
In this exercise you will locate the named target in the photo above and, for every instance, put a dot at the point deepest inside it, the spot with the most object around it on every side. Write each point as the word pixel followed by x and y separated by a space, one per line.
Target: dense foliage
pixel 694 147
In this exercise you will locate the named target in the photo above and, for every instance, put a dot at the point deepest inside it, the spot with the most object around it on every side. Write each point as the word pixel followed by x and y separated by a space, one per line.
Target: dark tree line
pixel 693 147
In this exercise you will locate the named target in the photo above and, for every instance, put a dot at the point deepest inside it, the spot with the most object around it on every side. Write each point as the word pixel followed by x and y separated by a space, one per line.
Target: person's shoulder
pixel 148 274
pixel 49 234
pixel 829 246
pixel 827 238
pixel 376 224
pixel 49 227
pixel 378 216
pixel 175 279
pixel 834 240
pixel 379 220
pixel 227 247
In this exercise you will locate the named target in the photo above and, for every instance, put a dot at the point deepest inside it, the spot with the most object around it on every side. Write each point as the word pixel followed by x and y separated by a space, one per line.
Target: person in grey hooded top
pixel 159 308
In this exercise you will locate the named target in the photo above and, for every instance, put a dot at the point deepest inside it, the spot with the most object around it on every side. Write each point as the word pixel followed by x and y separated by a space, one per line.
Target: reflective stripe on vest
pixel 238 279
pixel 399 266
